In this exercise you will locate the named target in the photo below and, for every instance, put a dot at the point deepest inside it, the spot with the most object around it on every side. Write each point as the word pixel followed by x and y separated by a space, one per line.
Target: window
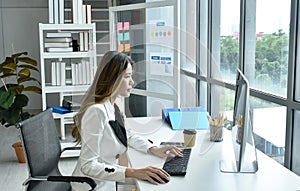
pixel 239 34
pixel 271 50
pixel 269 127
pixel 296 145
pixel 225 38
pixel 293 115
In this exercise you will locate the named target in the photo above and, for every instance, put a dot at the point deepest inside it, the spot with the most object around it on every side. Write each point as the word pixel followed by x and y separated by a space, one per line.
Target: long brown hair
pixel 105 85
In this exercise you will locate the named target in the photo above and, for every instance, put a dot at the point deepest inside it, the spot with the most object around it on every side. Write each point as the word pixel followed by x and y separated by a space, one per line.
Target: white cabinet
pixel 64 72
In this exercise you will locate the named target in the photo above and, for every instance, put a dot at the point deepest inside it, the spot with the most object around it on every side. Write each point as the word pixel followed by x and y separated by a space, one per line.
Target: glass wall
pixel 296 144
pixel 293 116
pixel 262 41
pixel 269 126
pixel 271 51
pixel 188 92
pixel 148 33
pixel 248 35
pixel 222 101
pixel 225 39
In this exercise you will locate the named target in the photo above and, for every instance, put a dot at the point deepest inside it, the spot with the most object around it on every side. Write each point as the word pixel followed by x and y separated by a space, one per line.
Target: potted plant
pixel 15 73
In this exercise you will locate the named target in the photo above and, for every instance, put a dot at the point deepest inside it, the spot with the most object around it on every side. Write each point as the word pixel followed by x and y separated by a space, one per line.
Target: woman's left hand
pixel 166 150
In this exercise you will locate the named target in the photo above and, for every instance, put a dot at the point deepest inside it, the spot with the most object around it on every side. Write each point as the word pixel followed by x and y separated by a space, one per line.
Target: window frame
pixel 289 102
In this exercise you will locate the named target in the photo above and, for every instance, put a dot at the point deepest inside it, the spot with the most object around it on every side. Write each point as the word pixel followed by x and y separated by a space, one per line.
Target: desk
pixel 203 169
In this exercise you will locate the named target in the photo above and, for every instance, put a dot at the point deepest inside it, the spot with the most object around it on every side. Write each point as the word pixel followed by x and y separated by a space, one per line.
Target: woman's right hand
pixel 148 174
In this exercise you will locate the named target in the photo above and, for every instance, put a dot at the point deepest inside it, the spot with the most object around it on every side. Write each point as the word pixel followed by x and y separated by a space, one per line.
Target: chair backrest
pixel 41 146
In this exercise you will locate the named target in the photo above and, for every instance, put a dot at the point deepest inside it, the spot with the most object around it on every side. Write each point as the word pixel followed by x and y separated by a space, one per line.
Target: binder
pixel 51 11
pixel 61 12
pixel 58 109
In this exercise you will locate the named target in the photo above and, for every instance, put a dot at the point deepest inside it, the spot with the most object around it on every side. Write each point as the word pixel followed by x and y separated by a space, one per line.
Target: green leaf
pixel 18 54
pixel 28 60
pixel 26 79
pixel 29 67
pixel 24 72
pixel 6 99
pixel 7 60
pixel 7 75
pixel 25 115
pixel 15 88
pixel 12 116
pixel 33 89
pixel 10 66
pixel 21 101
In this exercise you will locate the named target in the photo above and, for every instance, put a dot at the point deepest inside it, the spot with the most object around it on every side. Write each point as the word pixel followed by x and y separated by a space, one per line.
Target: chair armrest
pixel 80 179
pixel 36 178
pixel 70 149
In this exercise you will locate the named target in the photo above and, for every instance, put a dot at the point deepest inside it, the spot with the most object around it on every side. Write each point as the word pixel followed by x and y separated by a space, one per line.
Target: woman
pixel 100 129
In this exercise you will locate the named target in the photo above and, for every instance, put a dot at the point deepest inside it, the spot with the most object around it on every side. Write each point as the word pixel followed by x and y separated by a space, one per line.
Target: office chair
pixel 42 152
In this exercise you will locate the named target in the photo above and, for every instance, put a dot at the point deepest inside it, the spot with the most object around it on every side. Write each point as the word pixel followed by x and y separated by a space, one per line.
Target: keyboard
pixel 177 166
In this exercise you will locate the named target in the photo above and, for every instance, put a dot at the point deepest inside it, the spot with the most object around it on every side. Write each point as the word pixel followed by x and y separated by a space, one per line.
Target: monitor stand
pixel 231 167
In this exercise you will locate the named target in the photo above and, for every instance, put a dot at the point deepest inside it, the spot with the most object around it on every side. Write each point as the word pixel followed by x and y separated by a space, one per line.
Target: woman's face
pixel 126 82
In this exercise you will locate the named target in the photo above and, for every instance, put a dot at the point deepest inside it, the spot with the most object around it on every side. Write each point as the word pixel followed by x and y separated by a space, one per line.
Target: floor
pixel 13 173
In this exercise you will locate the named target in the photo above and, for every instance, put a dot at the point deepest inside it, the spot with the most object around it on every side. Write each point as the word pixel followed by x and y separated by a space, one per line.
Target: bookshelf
pixel 65 73
pixel 100 16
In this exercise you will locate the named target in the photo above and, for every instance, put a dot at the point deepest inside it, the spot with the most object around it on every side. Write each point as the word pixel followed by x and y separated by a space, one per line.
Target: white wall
pixel 19 26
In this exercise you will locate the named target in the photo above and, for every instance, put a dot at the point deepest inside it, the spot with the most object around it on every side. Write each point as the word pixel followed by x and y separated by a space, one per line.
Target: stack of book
pixel 72 73
pixel 56 11
pixel 58 73
pixel 82 14
pixel 82 72
pixel 58 42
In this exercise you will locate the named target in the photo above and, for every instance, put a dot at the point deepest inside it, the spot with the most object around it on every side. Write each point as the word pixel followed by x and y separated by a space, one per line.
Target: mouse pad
pixel 189 120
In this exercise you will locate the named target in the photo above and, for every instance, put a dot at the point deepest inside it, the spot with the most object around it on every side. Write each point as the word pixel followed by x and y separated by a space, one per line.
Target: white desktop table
pixel 203 169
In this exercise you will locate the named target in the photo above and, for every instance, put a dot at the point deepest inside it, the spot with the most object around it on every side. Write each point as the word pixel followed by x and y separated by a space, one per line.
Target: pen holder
pixel 189 137
pixel 216 133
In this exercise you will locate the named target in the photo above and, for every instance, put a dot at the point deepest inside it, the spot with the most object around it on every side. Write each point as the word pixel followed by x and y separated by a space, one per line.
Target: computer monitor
pixel 242 132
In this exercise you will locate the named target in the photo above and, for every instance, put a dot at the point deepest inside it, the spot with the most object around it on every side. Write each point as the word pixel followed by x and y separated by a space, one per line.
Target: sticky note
pixel 120 47
pixel 120 26
pixel 120 37
pixel 127 48
pixel 126 36
pixel 126 26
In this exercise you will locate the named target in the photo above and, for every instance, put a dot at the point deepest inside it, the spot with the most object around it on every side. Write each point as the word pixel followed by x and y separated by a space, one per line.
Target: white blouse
pixel 101 148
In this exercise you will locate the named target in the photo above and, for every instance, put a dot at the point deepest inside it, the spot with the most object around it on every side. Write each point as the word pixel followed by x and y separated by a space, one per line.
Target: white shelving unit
pixel 46 58
pixel 100 16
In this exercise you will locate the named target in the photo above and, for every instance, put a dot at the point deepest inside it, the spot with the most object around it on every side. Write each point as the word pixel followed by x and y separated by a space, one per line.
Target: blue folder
pixel 186 118
pixel 189 120
pixel 58 109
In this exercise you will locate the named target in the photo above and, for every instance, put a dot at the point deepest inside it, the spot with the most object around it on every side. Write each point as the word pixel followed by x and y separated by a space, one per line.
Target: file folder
pixel 60 110
pixel 186 118
pixel 189 120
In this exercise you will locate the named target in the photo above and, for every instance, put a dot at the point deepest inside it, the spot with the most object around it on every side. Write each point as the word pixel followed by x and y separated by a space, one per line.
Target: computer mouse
pixel 164 179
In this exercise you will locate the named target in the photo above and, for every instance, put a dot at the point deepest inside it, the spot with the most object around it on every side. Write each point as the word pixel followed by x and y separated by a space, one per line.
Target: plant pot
pixel 19 152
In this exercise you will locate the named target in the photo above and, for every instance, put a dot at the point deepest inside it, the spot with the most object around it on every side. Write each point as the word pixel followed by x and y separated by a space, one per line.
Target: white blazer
pixel 101 148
